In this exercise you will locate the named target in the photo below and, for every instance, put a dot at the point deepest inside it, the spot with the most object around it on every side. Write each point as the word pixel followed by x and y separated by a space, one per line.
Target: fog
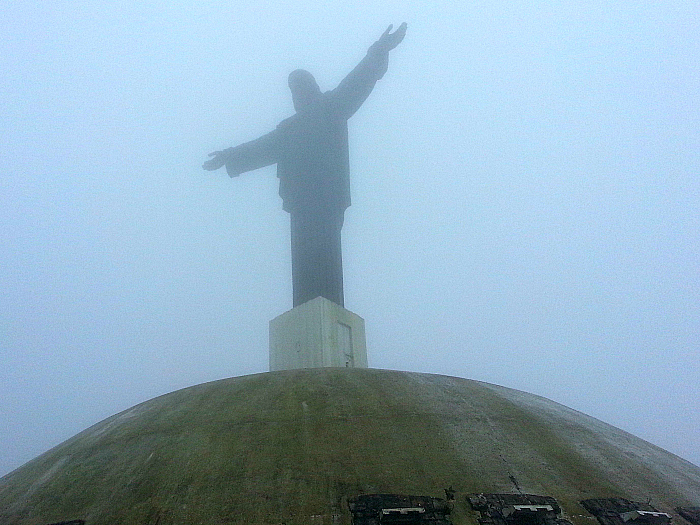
pixel 526 202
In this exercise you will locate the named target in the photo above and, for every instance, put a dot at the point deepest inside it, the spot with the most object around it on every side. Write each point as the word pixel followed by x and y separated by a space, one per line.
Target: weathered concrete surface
pixel 317 334
pixel 290 447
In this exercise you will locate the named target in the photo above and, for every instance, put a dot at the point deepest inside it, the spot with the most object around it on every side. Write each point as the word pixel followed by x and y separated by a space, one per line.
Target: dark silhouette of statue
pixel 310 149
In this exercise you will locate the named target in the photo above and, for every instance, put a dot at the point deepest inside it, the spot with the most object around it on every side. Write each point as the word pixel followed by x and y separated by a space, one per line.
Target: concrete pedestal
pixel 317 334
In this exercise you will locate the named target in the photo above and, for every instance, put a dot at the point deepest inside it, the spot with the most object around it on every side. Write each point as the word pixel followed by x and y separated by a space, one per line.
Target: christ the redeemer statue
pixel 310 149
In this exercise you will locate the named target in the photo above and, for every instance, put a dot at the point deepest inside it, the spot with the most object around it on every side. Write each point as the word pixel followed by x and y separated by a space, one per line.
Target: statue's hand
pixel 389 40
pixel 218 160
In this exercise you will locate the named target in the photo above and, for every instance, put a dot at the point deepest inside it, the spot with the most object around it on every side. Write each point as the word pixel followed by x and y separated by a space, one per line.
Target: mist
pixel 525 202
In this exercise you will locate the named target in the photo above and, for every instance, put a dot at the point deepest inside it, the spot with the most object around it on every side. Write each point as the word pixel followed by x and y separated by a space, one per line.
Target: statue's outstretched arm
pixel 246 157
pixel 356 87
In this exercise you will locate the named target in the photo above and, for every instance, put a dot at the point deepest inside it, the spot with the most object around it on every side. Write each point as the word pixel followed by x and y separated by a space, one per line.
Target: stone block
pixel 317 334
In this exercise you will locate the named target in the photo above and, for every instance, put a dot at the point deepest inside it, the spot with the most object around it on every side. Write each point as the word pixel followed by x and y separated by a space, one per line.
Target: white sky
pixel 526 202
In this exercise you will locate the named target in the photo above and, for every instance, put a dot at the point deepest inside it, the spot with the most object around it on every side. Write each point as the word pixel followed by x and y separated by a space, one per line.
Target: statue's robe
pixel 310 149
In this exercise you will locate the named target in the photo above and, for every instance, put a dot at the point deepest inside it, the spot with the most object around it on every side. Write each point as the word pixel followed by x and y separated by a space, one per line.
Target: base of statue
pixel 317 334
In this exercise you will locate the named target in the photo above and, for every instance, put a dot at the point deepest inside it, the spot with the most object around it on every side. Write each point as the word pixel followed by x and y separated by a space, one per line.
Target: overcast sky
pixel 526 201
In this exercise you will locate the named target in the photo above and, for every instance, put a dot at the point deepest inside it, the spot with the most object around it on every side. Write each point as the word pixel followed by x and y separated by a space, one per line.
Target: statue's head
pixel 304 88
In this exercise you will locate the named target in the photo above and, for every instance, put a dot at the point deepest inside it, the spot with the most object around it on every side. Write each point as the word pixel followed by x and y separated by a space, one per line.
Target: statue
pixel 310 149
